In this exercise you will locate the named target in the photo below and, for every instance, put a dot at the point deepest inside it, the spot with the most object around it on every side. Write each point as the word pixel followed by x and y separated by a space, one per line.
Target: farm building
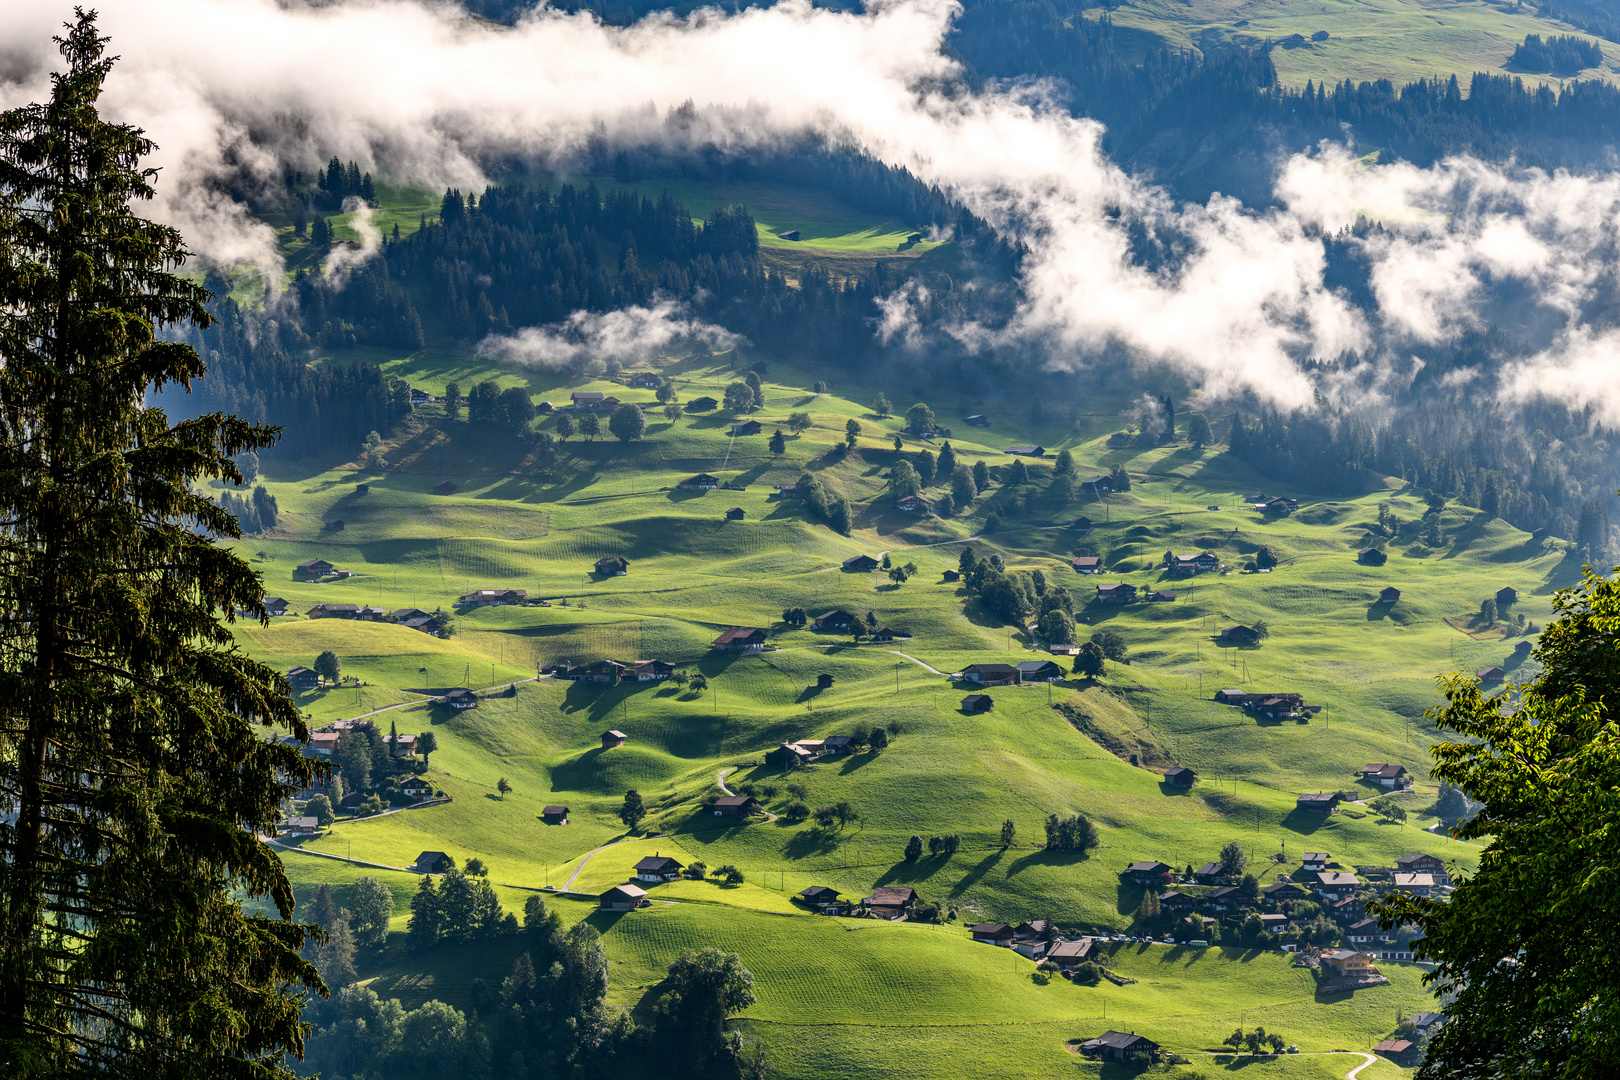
pixel 1506 596
pixel 622 898
pixel 594 400
pixel 1119 592
pixel 746 427
pixel 333 611
pixel 978 420
pixel 1421 864
pixel 913 504
pixel 303 826
pixel 791 235
pixel 735 806
pixel 275 606
pixel 332 525
pixel 1120 1046
pixel 992 674
pixel 1180 777
pixel 951 575
pixel 833 620
pixel 445 488
pixel 645 380
pixel 611 739
pixel 1389 595
pixel 1400 1051
pixel 1026 451
pixel 612 566
pixel 1189 565
pixel 1318 803
pixel 1240 635
pixel 860 564
pixel 734 514
pixel 1491 675
pixel 978 703
pixel 491 598
pixel 433 862
pixel 701 404
pixel 1088 564
pixel 1033 671
pixel 1162 596
pixel 1371 556
pixel 1068 954
pixel 700 482
pixel 461 698
pixel 555 815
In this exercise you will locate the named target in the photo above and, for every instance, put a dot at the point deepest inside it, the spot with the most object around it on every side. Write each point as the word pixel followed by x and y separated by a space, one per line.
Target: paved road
pixel 1366 1058
pixel 918 662
pixel 569 884
pixel 720 778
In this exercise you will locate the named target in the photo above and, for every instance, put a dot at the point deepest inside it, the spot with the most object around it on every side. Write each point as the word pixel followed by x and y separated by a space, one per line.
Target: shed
pixel 1389 595
pixel 746 427
pixel 702 404
pixel 1318 802
pixel 823 680
pixel 1506 596
pixel 610 739
pixel 977 703
pixel 791 234
pixel 1241 635
pixel 433 862
pixel 1180 777
pixel 555 815
pixel 622 898
pixel 445 488
pixel 951 575
pixel 332 525
pixel 734 514
pixel 612 566
pixel 860 564
pixel 1371 556
pixel 1490 675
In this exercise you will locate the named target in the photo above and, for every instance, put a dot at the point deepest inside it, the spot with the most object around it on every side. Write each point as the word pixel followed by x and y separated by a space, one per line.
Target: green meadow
pixel 1399 40
pixel 836 994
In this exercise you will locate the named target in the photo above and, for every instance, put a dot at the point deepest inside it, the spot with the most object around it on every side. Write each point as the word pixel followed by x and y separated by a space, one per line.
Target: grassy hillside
pixel 1399 40
pixel 845 997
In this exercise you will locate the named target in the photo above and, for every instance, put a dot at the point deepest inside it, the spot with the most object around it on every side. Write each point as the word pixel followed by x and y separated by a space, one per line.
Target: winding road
pixel 1366 1058
pixel 569 884
pixel 720 778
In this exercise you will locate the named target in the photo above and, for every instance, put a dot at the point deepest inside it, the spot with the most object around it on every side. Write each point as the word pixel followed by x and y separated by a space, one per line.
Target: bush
pixel 1088 974
pixel 697 871
pixel 797 810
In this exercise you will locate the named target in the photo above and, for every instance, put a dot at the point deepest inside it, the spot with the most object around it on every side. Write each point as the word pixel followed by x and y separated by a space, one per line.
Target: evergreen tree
pixel 981 476
pixel 371 905
pixel 633 810
pixel 121 695
pixel 452 400
pixel 778 442
pixel 423 928
pixel 1198 431
pixel 946 465
pixel 925 468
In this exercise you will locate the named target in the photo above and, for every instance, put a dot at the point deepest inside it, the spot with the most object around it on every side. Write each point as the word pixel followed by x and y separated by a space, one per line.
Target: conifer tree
pixel 125 949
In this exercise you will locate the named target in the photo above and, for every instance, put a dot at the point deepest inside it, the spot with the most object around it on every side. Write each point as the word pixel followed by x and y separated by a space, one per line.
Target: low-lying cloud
pixel 235 90
pixel 629 335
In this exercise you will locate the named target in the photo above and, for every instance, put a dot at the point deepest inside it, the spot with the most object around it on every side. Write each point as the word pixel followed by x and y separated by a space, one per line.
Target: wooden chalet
pixel 700 482
pixel 1071 954
pixel 612 566
pixel 1491 676
pixel 1117 592
pixel 657 869
pixel 833 620
pixel 1146 872
pixel 312 569
pixel 416 788
pixel 701 404
pixel 653 670
pixel 1240 635
pixel 1386 774
pixel 492 598
pixel 461 698
pixel 746 427
pixel 741 639
pixel 735 806
pixel 1318 802
pixel 891 902
pixel 993 933
pixel 302 680
pixel 1122 1047
pixel 860 564
pixel 820 897
pixel 1087 564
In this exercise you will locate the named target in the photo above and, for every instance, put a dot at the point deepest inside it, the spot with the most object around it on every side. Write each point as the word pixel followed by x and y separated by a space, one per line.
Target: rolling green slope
pixel 1399 40
pixel 692 573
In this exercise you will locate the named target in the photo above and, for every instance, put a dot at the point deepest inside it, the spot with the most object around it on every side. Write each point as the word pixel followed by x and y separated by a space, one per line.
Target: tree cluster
pixel 1074 833
pixel 255 513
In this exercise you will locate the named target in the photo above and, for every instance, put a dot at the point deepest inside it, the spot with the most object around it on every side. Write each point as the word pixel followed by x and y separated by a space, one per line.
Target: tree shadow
pixel 855 761
pixel 1304 822
pixel 807 842
pixel 971 878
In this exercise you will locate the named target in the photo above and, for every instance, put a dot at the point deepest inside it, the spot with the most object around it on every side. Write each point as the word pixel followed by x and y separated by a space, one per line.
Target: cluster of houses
pixel 410 618
pixel 1273 504
pixel 805 751
pixel 1123 592
pixel 839 621
pixel 612 672
pixel 1273 706
pixel 1341 893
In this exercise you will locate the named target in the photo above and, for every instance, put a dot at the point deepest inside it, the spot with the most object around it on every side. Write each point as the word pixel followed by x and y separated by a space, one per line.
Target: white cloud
pixel 628 335
pixel 236 88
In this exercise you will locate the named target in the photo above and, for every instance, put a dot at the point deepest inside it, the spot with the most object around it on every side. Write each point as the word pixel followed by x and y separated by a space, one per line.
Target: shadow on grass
pixel 981 868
